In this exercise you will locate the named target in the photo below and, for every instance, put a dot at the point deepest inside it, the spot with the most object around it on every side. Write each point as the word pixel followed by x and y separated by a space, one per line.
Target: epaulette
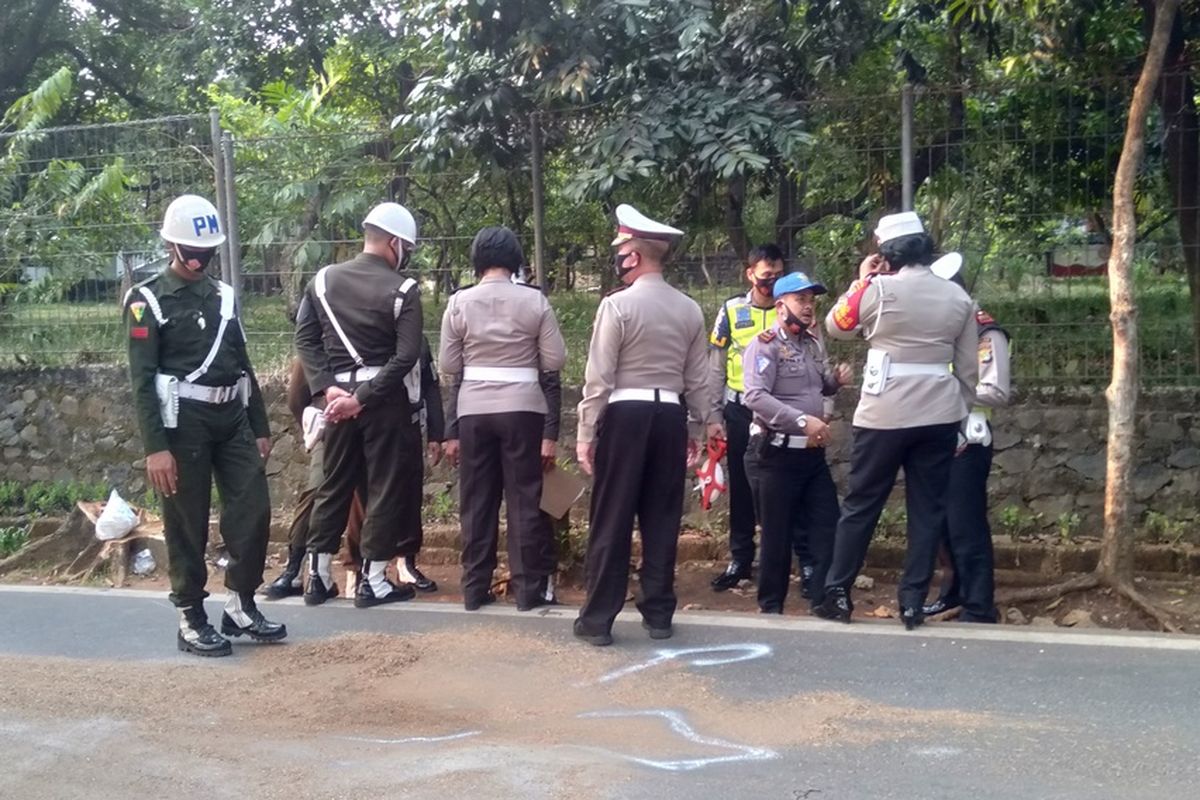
pixel 984 318
pixel 768 335
pixel 458 289
pixel 613 291
pixel 986 323
pixel 529 286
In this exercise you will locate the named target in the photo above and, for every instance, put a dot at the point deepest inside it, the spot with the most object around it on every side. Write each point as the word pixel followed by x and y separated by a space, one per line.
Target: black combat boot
pixel 407 572
pixel 836 605
pixel 911 617
pixel 197 636
pixel 289 583
pixel 734 574
pixel 807 573
pixel 320 579
pixel 374 589
pixel 242 618
pixel 544 596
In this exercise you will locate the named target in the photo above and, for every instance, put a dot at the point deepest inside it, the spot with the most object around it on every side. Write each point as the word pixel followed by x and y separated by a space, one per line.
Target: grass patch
pixel 44 498
pixel 12 540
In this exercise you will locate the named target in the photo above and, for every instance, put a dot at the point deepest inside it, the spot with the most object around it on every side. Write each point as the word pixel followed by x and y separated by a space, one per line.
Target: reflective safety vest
pixel 738 322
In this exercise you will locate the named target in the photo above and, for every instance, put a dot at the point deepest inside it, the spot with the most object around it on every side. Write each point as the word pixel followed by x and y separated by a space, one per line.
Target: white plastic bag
pixel 116 520
pixel 143 562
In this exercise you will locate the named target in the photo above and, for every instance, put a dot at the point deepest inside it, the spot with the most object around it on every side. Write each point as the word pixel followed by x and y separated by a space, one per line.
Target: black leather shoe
pixel 366 597
pixel 594 639
pixel 940 606
pixel 807 573
pixel 408 573
pixel 317 592
pixel 734 574
pixel 476 603
pixel 196 636
pixel 656 633
pixel 288 584
pixel 835 606
pixel 912 618
pixel 537 602
pixel 770 610
pixel 244 619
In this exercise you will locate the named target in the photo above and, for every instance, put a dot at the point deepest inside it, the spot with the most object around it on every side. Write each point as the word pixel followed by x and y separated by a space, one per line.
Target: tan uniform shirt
pixel 497 323
pixel 649 336
pixel 916 318
pixel 995 383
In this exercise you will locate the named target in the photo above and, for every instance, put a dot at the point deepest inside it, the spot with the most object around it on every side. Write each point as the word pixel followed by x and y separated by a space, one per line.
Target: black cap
pixel 496 247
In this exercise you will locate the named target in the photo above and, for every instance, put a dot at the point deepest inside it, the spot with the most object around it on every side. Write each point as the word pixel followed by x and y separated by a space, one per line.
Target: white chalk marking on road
pixel 413 739
pixel 943 630
pixel 938 751
pixel 733 654
pixel 680 726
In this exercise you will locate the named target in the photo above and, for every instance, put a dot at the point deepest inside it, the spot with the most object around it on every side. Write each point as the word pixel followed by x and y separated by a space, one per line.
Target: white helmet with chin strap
pixel 395 219
pixel 193 222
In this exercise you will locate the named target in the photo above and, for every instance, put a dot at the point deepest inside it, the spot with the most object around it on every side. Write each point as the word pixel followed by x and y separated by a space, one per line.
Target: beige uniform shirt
pixel 916 318
pixel 649 336
pixel 497 323
pixel 995 383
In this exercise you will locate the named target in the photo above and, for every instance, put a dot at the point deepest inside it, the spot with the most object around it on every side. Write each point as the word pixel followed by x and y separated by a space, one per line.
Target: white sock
pixel 377 578
pixel 548 595
pixel 324 568
pixel 233 607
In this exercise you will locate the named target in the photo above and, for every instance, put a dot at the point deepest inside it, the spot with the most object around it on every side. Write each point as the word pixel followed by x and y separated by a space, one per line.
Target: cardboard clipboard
pixel 560 491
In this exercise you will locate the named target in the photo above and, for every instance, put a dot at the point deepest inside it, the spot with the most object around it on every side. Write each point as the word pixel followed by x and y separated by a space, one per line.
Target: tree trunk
pixel 787 206
pixel 1181 146
pixel 735 224
pixel 1116 549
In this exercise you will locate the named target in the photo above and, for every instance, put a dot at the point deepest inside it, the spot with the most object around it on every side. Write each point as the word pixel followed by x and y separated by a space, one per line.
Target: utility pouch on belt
pixel 244 389
pixel 875 372
pixel 978 430
pixel 167 388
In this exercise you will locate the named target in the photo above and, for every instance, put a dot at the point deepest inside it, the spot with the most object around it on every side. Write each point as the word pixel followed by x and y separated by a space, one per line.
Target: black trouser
pixel 741 499
pixel 640 466
pixel 790 486
pixel 215 442
pixel 925 454
pixel 379 453
pixel 501 455
pixel 969 535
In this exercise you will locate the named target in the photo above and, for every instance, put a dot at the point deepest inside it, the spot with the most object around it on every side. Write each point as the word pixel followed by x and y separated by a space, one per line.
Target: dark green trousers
pixel 214 442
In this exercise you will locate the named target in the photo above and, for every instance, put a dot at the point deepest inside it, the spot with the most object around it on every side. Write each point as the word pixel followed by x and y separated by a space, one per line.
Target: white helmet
pixel 192 221
pixel 395 219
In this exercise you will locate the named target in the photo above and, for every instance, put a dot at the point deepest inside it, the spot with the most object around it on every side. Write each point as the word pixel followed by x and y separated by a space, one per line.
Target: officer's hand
pixel 716 431
pixel 843 374
pixel 549 454
pixel 872 265
pixel 433 453
pixel 334 392
pixel 816 431
pixel 585 452
pixel 343 408
pixel 452 451
pixel 693 453
pixel 161 472
pixel 264 447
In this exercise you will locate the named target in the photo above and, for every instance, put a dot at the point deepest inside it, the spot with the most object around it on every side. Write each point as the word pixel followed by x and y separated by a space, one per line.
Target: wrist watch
pixel 802 421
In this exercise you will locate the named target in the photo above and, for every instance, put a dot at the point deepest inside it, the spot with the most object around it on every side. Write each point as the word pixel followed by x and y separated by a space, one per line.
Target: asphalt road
pixel 1049 714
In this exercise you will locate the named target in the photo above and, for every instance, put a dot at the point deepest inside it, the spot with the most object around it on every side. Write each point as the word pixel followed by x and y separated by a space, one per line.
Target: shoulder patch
pixel 768 335
pixel 139 332
pixel 985 351
pixel 138 310
pixel 846 312
pixel 984 318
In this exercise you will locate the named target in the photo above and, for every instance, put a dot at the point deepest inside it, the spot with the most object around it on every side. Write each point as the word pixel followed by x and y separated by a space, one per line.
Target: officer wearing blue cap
pixel 786 380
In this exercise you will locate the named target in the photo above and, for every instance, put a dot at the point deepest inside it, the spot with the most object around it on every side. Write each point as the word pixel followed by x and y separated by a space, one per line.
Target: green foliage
pixel 46 498
pixel 442 507
pixel 893 523
pixel 1067 524
pixel 12 540
pixel 1017 523
pixel 1162 527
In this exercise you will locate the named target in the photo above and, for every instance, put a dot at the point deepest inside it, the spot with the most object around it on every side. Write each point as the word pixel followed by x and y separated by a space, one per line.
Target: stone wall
pixel 78 425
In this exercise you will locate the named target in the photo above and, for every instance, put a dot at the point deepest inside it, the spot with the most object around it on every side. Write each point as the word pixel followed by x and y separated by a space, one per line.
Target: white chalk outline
pixel 680 726
pixel 749 652
pixel 413 739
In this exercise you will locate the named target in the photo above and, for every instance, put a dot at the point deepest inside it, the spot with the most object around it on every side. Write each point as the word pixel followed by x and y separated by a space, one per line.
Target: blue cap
pixel 796 282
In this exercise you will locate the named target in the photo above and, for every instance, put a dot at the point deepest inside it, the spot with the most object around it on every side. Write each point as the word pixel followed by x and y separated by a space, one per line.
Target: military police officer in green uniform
pixel 202 417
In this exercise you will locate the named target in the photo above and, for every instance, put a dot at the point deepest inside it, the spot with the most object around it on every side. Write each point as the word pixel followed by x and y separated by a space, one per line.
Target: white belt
pixel 207 394
pixel 360 375
pixel 780 439
pixel 501 374
pixel 895 369
pixel 644 395
pixel 731 396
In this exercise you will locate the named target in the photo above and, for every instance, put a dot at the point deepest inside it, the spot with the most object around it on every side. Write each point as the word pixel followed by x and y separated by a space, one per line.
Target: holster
pixel 167 388
pixel 244 388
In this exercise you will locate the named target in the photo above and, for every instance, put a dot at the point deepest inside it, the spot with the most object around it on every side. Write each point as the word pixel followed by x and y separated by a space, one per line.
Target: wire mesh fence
pixel 1019 187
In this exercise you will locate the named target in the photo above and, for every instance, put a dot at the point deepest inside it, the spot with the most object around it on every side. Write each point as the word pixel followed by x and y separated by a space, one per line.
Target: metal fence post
pixel 231 230
pixel 906 147
pixel 214 126
pixel 539 216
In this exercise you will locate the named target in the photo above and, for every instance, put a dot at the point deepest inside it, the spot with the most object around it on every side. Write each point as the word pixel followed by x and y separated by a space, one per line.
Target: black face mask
pixel 765 285
pixel 794 324
pixel 198 258
pixel 619 264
